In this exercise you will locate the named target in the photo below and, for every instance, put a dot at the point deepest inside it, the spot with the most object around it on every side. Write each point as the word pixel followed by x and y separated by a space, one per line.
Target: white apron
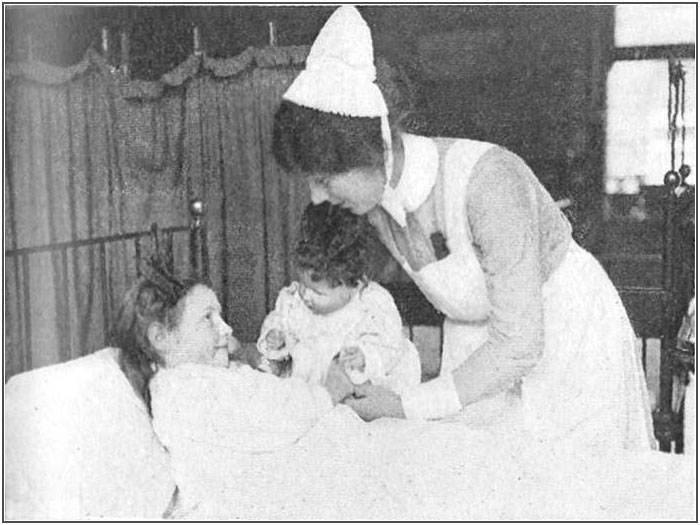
pixel 589 384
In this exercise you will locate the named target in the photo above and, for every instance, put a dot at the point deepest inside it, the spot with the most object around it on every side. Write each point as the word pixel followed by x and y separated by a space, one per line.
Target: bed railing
pixel 161 241
pixel 673 299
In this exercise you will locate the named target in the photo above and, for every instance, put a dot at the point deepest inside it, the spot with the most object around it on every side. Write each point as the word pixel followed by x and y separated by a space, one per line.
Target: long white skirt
pixel 589 386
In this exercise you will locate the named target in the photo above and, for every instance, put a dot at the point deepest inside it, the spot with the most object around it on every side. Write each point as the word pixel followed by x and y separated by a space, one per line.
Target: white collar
pixel 420 169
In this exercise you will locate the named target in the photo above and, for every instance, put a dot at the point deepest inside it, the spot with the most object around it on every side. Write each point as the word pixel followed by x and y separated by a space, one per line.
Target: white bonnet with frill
pixel 340 76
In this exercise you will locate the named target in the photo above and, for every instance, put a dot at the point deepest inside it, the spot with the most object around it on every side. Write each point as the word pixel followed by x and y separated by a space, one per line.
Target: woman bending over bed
pixel 534 331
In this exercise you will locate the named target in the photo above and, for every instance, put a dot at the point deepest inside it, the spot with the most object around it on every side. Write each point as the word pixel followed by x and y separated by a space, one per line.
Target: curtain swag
pixel 269 57
pixel 92 153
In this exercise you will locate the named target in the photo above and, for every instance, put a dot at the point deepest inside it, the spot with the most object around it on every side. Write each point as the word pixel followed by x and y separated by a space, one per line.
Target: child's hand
pixel 274 339
pixel 264 365
pixel 352 358
pixel 234 346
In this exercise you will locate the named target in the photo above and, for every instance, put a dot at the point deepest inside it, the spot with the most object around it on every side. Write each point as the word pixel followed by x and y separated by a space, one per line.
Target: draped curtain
pixel 90 153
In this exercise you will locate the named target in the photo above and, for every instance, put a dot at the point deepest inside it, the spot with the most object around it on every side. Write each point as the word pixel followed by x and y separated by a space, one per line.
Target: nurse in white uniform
pixel 535 333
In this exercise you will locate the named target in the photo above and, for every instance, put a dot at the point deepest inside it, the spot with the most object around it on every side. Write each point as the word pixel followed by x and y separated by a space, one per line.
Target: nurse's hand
pixel 372 402
pixel 337 382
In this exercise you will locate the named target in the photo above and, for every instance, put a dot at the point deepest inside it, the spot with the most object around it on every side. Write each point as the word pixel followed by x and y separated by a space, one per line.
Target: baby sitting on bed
pixel 335 310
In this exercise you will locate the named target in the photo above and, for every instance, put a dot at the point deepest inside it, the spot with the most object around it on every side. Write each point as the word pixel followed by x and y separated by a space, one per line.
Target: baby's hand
pixel 234 346
pixel 274 339
pixel 264 365
pixel 352 358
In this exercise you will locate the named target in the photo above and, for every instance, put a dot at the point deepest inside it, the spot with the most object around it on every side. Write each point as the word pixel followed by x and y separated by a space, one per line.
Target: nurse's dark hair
pixel 308 141
pixel 155 297
pixel 336 245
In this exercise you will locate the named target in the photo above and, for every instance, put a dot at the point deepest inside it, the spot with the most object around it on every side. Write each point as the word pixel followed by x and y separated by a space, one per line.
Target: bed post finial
pixel 196 41
pixel 198 249
pixel 124 66
pixel 196 211
pixel 273 33
pixel 105 41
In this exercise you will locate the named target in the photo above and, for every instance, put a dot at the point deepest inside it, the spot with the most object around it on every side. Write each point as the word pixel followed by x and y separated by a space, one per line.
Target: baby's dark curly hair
pixel 336 245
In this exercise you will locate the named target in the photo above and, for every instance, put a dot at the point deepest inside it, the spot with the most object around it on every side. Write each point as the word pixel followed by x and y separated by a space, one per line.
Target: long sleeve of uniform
pixel 279 319
pixel 503 215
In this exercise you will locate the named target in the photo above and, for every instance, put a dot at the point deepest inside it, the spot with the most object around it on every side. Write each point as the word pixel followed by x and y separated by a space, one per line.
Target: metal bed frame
pixel 161 241
pixel 655 312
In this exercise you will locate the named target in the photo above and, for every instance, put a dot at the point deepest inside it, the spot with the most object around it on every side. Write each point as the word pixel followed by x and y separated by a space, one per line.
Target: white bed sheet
pixel 339 468
pixel 344 469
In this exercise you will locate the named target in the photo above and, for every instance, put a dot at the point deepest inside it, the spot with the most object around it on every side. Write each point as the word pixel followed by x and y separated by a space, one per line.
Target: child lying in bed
pixel 172 343
pixel 335 310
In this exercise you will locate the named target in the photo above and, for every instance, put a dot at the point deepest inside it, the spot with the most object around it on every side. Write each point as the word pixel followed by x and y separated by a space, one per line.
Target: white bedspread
pixel 340 468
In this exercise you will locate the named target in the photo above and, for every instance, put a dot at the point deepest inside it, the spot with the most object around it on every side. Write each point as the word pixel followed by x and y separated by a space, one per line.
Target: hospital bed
pixel 137 486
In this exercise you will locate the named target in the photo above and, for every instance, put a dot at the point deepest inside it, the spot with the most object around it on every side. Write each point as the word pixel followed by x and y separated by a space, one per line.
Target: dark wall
pixel 528 77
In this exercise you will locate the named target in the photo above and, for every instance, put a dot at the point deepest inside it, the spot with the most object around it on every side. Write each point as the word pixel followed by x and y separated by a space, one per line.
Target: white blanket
pixel 332 466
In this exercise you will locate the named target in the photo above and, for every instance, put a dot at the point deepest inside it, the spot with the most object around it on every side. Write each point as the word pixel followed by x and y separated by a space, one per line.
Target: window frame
pixel 653 52
pixel 639 53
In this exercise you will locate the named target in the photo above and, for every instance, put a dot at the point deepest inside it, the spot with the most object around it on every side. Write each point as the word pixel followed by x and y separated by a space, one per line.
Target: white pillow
pixel 79 444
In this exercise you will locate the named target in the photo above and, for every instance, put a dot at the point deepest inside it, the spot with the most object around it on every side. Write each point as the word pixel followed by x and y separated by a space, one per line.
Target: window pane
pixel 638 149
pixel 655 24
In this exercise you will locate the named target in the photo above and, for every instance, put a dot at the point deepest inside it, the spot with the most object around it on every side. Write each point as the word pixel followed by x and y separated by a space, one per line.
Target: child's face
pixel 201 332
pixel 321 297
